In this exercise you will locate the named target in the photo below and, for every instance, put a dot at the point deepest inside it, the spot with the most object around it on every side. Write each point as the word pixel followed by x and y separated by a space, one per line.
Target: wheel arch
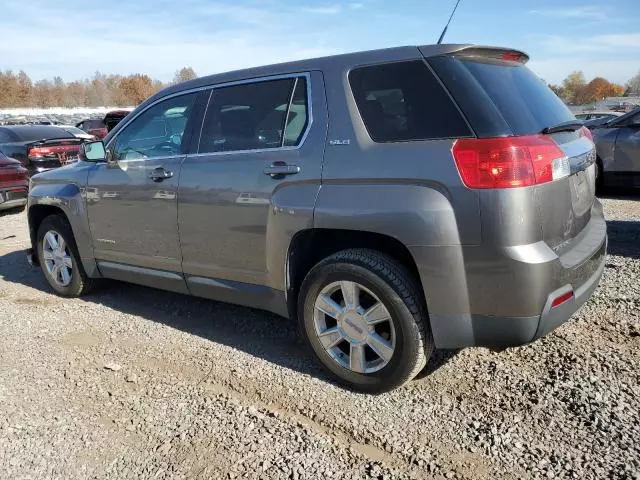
pixel 310 246
pixel 66 200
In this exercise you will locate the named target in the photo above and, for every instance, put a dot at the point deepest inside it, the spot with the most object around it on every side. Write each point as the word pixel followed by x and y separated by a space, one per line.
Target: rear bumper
pixel 12 198
pixel 500 297
pixel 501 332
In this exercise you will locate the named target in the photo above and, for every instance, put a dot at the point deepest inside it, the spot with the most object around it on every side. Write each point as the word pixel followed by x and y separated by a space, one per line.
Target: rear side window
pixel 255 116
pixel 5 136
pixel 523 100
pixel 404 101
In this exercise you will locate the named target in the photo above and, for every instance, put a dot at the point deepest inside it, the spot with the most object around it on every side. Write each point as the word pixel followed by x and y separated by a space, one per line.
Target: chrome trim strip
pixel 141 270
pixel 232 152
pixel 286 116
pixel 204 116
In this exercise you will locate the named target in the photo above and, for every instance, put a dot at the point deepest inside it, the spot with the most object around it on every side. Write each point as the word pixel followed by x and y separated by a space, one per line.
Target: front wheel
pixel 362 314
pixel 59 258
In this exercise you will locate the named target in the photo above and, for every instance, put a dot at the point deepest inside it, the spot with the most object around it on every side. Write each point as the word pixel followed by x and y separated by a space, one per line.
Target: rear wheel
pixel 362 314
pixel 59 258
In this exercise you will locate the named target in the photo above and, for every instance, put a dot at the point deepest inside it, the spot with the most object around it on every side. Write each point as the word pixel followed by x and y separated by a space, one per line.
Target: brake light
pixel 565 297
pixel 509 162
pixel 39 151
pixel 585 132
pixel 512 56
pixel 54 150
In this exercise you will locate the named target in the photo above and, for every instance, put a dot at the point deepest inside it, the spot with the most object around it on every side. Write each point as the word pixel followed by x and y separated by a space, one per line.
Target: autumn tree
pixel 573 87
pixel 633 86
pixel 135 88
pixel 184 74
pixel 598 89
pixel 25 90
pixel 557 89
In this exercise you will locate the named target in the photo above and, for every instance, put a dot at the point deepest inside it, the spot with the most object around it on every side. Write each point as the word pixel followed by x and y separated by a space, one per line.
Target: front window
pixel 157 132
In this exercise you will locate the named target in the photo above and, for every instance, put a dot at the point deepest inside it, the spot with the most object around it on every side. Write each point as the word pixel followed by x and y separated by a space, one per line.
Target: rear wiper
pixel 569 126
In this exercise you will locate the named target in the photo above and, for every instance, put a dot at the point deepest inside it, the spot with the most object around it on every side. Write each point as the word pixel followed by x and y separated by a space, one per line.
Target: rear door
pixel 502 97
pixel 132 202
pixel 261 145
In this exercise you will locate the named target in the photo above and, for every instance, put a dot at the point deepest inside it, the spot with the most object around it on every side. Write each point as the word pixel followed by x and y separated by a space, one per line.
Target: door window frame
pixel 201 115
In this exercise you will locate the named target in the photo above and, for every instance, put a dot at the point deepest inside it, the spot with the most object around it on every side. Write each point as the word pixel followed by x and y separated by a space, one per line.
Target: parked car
pixel 39 147
pixel 95 127
pixel 608 114
pixel 618 151
pixel 14 183
pixel 111 119
pixel 420 197
pixel 78 133
pixel 597 122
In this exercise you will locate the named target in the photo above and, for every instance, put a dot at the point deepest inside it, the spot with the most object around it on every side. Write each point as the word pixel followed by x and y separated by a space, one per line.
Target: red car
pixel 14 183
pixel 95 127
pixel 99 128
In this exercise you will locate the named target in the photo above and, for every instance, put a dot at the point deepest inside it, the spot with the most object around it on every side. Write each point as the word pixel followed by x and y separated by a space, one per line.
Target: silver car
pixel 618 149
pixel 392 202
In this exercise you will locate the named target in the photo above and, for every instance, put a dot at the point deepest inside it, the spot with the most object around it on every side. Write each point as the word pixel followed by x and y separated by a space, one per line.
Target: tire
pixel 379 278
pixel 79 283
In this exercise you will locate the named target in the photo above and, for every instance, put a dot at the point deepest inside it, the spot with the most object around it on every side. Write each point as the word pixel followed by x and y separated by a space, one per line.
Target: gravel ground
pixel 131 382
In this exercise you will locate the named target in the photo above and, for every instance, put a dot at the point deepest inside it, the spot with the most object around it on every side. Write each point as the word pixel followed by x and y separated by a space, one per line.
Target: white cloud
pixel 555 69
pixel 209 36
pixel 325 10
pixel 616 43
pixel 586 12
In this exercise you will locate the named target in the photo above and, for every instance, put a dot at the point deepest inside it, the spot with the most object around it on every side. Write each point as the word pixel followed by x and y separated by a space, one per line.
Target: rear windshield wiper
pixel 569 126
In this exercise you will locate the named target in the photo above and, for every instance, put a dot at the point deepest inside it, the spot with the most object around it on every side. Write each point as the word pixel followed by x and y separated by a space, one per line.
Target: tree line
pixel 575 90
pixel 17 90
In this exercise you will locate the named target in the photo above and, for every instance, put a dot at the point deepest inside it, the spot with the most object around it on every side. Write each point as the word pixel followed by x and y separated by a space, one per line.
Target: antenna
pixel 447 25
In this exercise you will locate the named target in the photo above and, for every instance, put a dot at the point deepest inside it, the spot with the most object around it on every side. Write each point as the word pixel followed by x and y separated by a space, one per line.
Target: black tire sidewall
pixel 60 225
pixel 406 330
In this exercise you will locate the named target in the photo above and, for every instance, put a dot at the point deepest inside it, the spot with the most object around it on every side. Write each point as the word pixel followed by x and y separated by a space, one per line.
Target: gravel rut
pixel 131 382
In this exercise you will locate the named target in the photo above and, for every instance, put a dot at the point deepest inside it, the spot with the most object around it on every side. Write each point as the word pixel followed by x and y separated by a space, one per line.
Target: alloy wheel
pixel 57 258
pixel 354 327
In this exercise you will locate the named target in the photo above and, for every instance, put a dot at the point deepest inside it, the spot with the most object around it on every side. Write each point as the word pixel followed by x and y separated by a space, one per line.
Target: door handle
pixel 279 170
pixel 159 174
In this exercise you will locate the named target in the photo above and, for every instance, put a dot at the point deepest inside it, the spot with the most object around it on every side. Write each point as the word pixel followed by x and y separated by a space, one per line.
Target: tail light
pixel 509 162
pixel 17 173
pixel 39 151
pixel 57 150
pixel 585 132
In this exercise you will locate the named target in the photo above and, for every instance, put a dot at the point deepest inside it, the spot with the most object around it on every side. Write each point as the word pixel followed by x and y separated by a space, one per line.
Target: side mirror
pixel 93 152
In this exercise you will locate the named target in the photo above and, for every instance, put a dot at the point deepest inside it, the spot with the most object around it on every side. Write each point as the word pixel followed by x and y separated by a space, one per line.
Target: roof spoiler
pixel 477 51
pixel 64 140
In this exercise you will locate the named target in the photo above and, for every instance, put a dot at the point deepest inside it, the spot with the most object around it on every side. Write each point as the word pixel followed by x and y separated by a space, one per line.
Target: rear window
pixel 524 101
pixel 28 133
pixel 404 101
pixel 6 136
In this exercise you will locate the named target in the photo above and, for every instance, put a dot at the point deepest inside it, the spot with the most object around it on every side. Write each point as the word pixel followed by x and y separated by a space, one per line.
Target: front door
pixel 132 201
pixel 260 150
pixel 627 150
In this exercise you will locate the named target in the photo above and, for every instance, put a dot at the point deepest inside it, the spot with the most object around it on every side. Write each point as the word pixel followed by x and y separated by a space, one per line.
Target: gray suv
pixel 393 202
